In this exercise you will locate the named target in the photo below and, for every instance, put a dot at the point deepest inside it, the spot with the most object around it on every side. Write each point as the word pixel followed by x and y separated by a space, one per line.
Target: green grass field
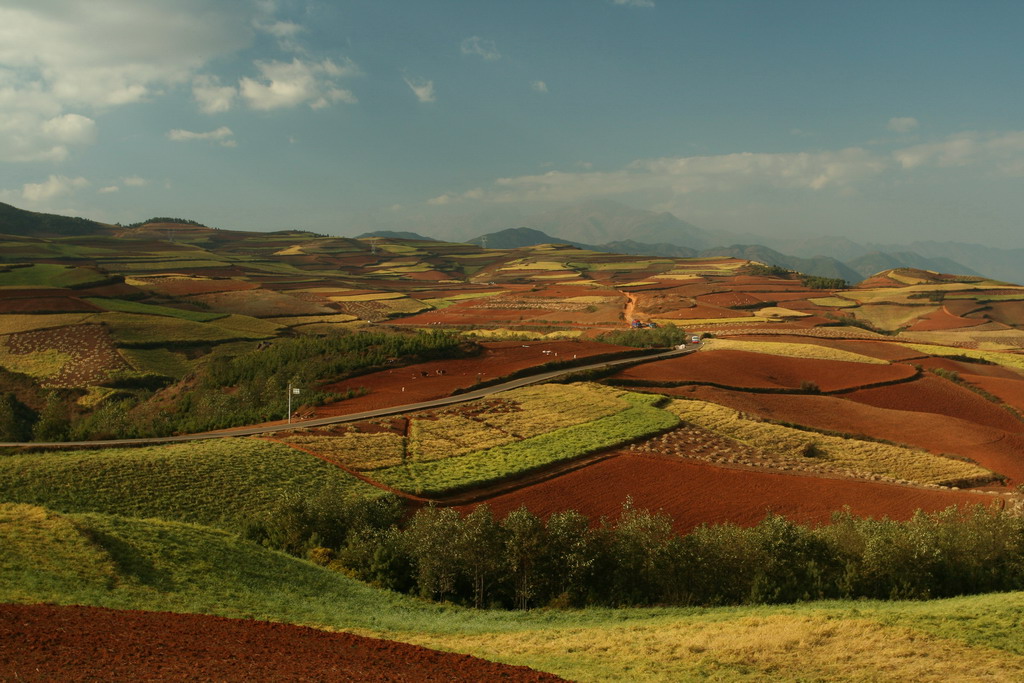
pixel 222 482
pixel 150 309
pixel 48 275
pixel 641 419
pixel 116 562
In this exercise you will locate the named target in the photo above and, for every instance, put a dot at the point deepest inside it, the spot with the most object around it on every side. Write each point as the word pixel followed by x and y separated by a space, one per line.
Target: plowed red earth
pixel 1009 390
pixel 51 643
pixel 764 371
pixel 47 304
pixel 942 320
pixel 964 369
pixel 872 349
pixel 931 394
pixel 422 382
pixel 695 493
pixel 992 448
pixel 187 286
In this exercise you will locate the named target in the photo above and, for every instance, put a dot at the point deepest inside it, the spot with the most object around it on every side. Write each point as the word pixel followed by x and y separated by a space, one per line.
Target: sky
pixel 889 121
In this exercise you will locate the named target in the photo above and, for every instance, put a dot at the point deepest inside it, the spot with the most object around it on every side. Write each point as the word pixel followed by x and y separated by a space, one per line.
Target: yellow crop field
pixel 546 407
pixel 1013 361
pixel 893 316
pixel 791 350
pixel 713 321
pixel 354 449
pixel 780 312
pixel 375 296
pixel 18 322
pixel 833 301
pixel 863 458
pixel 452 435
pixel 525 335
pixel 38 364
pixel 534 265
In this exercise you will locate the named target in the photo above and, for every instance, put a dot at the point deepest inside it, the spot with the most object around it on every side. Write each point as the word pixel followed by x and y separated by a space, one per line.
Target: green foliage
pixel 819 282
pixel 664 336
pixel 16 419
pixel 767 271
pixel 54 422
pixel 222 482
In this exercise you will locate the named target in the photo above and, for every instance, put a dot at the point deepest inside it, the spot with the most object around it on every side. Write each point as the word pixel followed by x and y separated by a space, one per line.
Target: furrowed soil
pixel 435 379
pixel 991 447
pixel 695 493
pixel 744 369
pixel 75 643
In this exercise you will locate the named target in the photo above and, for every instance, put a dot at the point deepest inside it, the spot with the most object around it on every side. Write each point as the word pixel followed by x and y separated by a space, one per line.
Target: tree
pixel 479 551
pixel 15 419
pixel 525 543
pixel 53 424
pixel 432 539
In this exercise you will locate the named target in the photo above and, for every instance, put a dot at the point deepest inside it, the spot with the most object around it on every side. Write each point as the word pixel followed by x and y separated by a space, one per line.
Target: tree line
pixel 637 559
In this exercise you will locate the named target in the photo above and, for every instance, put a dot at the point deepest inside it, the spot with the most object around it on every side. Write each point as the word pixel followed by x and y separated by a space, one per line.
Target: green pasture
pixel 222 483
pixel 135 329
pixel 117 562
pixel 49 275
pixel 152 309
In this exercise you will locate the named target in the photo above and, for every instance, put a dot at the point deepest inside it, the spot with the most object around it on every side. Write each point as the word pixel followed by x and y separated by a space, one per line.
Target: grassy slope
pixel 221 483
pixel 148 564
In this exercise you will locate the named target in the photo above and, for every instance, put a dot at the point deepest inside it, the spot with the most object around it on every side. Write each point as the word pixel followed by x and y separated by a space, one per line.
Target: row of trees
pixel 638 559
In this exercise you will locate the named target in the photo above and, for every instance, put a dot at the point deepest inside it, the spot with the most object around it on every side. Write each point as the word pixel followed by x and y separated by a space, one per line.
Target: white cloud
pixel 481 47
pixel 422 88
pixel 63 60
pixel 25 136
pixel 290 84
pixel 108 189
pixel 539 86
pixel 902 124
pixel 211 96
pixel 134 181
pixel 54 186
pixel 223 135
pixel 634 3
pixel 1003 151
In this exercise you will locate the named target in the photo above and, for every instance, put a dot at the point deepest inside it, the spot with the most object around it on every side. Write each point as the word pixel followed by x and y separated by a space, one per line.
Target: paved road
pixel 356 417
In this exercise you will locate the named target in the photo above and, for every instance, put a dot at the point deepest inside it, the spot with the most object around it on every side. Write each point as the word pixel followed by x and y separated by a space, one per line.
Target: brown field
pixel 992 448
pixel 696 493
pixel 46 304
pixel 76 643
pixel 259 303
pixel 89 348
pixel 931 394
pixel 730 299
pixel 1008 390
pixel 187 286
pixel 421 382
pixel 882 350
pixel 1007 312
pixel 942 319
pixel 764 371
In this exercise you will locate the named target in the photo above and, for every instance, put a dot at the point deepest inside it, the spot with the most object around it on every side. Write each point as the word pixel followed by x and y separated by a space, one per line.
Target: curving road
pixel 356 417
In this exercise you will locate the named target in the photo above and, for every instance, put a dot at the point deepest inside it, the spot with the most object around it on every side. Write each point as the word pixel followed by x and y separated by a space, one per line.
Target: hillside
pixel 812 429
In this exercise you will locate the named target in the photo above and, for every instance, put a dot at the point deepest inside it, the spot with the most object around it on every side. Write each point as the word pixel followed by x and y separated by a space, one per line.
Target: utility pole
pixel 483 242
pixel 292 391
pixel 373 246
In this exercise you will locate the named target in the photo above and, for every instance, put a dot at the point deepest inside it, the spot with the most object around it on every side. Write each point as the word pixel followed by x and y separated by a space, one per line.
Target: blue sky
pixel 886 121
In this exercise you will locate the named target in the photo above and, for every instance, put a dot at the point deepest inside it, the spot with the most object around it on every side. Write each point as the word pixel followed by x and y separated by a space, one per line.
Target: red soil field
pixel 188 286
pixel 118 290
pixel 962 307
pixel 931 394
pixel 696 493
pixel 964 368
pixel 34 293
pixel 882 350
pixel 942 319
pixel 764 371
pixel 498 360
pixel 1008 312
pixel 700 311
pixel 76 643
pixel 728 299
pixel 47 304
pixel 992 448
pixel 1009 390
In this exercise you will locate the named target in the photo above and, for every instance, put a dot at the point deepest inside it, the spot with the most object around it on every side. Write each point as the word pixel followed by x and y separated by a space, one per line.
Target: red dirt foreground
pixel 51 643
pixel 695 493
